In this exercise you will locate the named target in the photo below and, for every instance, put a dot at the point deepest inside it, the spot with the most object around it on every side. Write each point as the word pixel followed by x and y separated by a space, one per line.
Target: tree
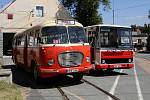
pixel 86 11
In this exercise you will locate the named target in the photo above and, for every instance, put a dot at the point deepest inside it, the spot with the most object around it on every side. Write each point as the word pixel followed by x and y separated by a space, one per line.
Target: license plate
pixel 72 70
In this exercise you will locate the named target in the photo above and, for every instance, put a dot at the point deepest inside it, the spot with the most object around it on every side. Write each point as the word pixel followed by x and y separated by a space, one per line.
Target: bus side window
pixel 31 39
pixel 14 43
pixel 19 41
pixel 22 41
pixel 37 32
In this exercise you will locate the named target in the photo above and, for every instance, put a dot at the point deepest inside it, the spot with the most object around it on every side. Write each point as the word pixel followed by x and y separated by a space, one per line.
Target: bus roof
pixel 109 25
pixel 51 23
pixel 62 23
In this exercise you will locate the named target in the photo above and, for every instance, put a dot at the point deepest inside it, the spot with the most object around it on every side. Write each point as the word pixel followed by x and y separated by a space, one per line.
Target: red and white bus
pixel 111 46
pixel 53 48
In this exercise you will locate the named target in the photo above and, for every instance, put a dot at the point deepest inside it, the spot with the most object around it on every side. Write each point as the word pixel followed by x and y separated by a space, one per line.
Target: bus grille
pixel 115 61
pixel 70 59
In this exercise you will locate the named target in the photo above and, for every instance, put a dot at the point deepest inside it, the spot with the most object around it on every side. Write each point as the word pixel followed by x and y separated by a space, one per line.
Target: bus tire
pixel 35 73
pixel 110 70
pixel 77 76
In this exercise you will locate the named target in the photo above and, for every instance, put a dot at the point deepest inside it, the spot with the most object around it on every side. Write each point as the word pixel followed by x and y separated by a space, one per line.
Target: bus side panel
pixel 19 55
pixel 33 54
pixel 25 53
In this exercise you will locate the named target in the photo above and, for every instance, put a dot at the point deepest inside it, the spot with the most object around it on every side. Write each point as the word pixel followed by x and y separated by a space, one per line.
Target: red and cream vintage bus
pixel 111 46
pixel 53 48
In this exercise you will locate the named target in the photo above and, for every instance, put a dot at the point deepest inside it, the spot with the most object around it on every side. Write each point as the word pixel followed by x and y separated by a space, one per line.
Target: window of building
pixel 9 16
pixel 39 11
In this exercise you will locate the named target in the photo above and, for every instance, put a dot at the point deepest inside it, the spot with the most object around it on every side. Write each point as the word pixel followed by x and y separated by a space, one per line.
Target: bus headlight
pixel 103 61
pixel 87 59
pixel 50 62
pixel 130 60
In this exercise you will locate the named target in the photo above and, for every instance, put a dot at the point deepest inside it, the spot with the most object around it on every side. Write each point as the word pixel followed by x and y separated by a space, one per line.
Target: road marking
pixel 140 96
pixel 144 63
pixel 78 97
pixel 112 91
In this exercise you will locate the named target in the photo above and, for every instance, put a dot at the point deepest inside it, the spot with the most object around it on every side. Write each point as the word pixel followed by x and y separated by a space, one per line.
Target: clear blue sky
pixel 3 2
pixel 127 12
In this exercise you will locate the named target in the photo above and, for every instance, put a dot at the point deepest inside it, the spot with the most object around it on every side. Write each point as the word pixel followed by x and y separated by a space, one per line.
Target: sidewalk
pixel 7 60
pixel 5 71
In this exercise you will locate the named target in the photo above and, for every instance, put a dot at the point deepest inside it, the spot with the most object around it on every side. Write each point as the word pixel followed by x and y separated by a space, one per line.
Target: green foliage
pixel 86 11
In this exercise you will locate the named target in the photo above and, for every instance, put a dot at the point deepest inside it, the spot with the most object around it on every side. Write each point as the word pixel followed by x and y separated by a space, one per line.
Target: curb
pixel 6 75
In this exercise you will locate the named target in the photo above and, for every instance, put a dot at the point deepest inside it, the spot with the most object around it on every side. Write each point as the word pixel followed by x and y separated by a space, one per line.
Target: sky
pixel 127 12
pixel 4 2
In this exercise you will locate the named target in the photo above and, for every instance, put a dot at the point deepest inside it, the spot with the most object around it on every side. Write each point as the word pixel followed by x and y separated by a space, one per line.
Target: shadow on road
pixel 101 73
pixel 23 78
pixel 143 52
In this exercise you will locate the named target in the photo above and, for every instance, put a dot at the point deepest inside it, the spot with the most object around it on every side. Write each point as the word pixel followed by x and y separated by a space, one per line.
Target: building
pixel 139 40
pixel 19 15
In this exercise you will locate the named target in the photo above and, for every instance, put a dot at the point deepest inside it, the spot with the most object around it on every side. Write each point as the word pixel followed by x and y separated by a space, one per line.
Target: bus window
pixel 108 37
pixel 31 39
pixel 22 41
pixel 54 35
pixel 77 34
pixel 36 41
pixel 124 37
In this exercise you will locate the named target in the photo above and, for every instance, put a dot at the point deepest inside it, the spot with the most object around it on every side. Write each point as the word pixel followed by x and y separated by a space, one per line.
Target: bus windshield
pixel 115 37
pixel 77 34
pixel 54 35
pixel 63 35
pixel 124 36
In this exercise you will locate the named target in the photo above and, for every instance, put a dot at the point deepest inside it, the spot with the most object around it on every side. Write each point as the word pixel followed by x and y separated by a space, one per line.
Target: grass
pixel 9 91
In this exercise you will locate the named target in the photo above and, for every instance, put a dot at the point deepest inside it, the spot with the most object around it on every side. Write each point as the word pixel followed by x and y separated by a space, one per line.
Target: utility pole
pixel 113 13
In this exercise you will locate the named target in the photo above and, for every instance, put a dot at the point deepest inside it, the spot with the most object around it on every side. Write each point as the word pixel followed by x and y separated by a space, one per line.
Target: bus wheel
pixel 35 73
pixel 77 76
pixel 17 67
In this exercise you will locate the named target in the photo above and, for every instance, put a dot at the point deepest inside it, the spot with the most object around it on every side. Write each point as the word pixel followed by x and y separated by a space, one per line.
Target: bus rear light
pixel 50 62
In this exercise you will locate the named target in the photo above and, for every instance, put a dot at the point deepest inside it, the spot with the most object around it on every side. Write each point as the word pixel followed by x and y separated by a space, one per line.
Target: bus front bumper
pixel 114 66
pixel 45 73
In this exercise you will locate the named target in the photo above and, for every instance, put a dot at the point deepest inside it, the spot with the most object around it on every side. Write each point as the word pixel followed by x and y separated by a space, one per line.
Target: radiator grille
pixel 69 59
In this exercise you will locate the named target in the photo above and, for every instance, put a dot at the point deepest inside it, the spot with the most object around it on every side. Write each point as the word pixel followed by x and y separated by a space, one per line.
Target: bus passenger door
pixel 97 49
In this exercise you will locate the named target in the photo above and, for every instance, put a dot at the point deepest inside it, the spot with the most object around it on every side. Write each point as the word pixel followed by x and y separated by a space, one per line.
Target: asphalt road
pixel 127 84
